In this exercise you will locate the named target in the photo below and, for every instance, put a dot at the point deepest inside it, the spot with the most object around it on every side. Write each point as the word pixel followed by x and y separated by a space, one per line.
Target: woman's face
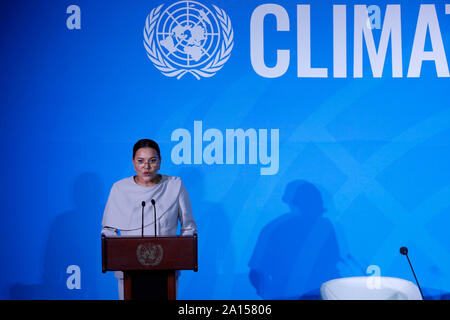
pixel 146 163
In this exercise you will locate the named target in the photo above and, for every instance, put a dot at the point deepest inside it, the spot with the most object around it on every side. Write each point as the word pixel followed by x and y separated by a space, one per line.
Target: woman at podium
pixel 132 201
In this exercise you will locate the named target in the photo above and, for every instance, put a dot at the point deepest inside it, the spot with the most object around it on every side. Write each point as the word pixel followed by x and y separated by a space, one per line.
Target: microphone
pixel 154 212
pixel 142 228
pixel 404 251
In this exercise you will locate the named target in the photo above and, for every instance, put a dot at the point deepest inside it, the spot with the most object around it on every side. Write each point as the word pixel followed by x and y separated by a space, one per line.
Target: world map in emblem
pixel 149 254
pixel 188 37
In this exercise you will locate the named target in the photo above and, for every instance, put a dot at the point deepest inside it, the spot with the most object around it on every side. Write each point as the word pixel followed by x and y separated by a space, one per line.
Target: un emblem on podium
pixel 188 37
pixel 149 254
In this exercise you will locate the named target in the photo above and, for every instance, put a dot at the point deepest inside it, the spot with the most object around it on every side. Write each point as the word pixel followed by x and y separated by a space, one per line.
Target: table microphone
pixel 154 212
pixel 404 251
pixel 142 226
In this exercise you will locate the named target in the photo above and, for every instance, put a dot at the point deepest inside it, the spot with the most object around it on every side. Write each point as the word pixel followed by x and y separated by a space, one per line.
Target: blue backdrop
pixel 359 164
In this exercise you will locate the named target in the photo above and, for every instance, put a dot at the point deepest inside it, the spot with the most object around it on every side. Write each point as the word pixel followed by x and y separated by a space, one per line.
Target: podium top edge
pixel 147 237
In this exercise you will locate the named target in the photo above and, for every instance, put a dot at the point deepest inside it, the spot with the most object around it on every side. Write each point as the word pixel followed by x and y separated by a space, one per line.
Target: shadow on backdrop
pixel 298 251
pixel 73 240
pixel 213 240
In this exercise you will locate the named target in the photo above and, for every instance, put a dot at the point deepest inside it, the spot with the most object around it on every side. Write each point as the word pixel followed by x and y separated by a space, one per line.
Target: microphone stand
pixel 142 226
pixel 404 251
pixel 154 213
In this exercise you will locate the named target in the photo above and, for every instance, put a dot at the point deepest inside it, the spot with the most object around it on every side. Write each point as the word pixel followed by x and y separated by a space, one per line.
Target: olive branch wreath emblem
pixel 166 68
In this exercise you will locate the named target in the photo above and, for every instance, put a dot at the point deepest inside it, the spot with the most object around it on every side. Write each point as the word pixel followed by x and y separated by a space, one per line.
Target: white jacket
pixel 123 211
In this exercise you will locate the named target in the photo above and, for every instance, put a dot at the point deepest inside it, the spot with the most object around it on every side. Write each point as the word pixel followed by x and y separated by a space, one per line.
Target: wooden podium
pixel 149 264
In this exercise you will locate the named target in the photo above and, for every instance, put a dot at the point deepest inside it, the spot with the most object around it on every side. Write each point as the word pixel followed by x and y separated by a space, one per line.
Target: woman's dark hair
pixel 146 143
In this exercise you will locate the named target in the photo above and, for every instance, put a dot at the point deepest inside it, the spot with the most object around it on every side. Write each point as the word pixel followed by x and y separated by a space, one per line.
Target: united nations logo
pixel 149 254
pixel 188 37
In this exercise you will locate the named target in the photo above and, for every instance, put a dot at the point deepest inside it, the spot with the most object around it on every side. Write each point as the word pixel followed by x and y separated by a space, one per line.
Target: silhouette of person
pixel 73 240
pixel 298 251
pixel 72 250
